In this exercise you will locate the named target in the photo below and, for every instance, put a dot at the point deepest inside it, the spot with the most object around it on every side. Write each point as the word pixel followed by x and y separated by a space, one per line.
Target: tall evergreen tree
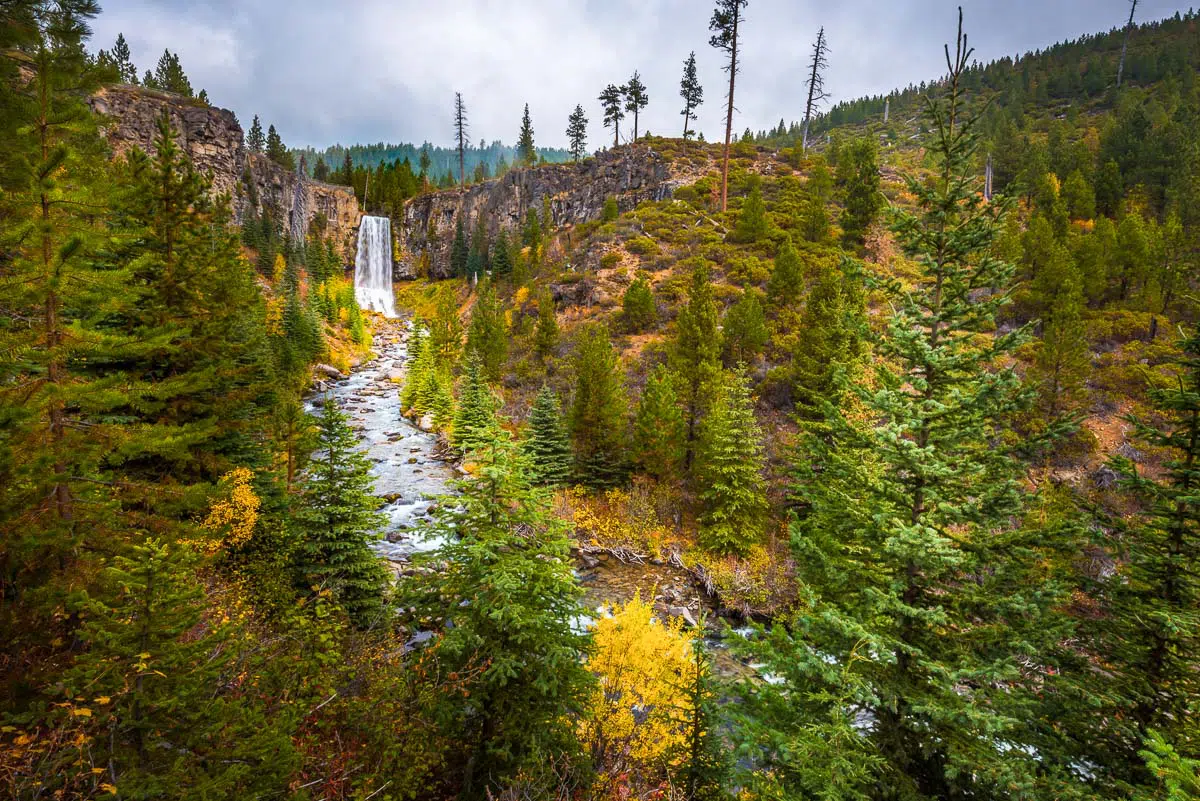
pixel 787 278
pixel 169 76
pixel 636 99
pixel 907 543
pixel 752 223
pixel 526 152
pixel 692 93
pixel 658 428
pixel 598 410
pixel 612 99
pixel 577 133
pixel 460 251
pixel 475 415
pixel 830 341
pixel 1062 362
pixel 816 83
pixel 123 61
pixel 639 312
pixel 501 260
pixel 696 354
pixel 460 135
pixel 336 521
pixel 1152 635
pixel 487 334
pixel 503 599
pixel 256 139
pixel 858 175
pixel 731 487
pixel 726 19
pixel 547 443
pixel 744 330
pixel 277 151
pixel 477 255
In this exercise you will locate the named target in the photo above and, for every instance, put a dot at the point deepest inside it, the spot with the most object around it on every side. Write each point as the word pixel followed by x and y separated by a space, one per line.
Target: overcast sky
pixel 351 71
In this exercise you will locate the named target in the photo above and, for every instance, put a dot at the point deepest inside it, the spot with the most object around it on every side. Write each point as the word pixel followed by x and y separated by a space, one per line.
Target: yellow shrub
pixel 233 517
pixel 639 698
pixel 619 517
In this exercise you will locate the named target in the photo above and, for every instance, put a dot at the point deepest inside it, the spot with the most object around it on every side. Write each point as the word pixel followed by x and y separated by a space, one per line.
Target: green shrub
pixel 610 260
pixel 641 246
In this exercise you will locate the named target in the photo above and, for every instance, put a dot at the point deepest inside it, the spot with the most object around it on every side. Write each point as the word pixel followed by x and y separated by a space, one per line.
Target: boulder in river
pixel 329 371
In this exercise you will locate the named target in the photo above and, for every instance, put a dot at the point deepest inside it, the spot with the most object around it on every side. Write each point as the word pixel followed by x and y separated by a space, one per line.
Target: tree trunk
pixel 729 112
pixel 1125 44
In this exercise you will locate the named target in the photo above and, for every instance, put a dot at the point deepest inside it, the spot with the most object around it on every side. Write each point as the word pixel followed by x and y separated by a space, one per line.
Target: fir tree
pixel 321 171
pixel 612 99
pixel 787 278
pixel 696 354
pixel 545 337
pixel 598 410
pixel 731 487
pixel 752 220
pixel 547 443
pixel 460 251
pixel 639 312
pixel 460 135
pixel 445 332
pixel 277 152
pixel 744 330
pixel 658 428
pixel 1152 633
pixel 636 99
pixel 169 77
pixel 123 62
pixel 692 93
pixel 475 417
pixel 487 335
pixel 858 176
pixel 577 133
pixel 502 262
pixel 336 521
pixel 477 261
pixel 707 765
pixel 420 361
pixel 907 542
pixel 830 341
pixel 256 139
pixel 1062 362
pixel 503 600
pixel 526 152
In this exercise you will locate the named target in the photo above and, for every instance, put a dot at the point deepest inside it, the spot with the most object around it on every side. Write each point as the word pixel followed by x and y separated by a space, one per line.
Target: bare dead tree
pixel 460 133
pixel 724 24
pixel 816 82
pixel 1125 44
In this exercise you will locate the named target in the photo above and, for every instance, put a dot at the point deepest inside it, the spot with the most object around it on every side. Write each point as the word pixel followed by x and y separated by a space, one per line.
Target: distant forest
pixel 493 159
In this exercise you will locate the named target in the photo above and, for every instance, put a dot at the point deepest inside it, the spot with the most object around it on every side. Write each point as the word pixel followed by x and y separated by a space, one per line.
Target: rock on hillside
pixel 577 194
pixel 213 138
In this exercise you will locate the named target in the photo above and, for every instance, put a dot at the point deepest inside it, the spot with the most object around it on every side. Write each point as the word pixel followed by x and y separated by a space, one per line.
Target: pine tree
pixel 502 600
pixel 830 342
pixel 256 139
pixel 164 663
pixel 445 332
pixel 726 19
pixel 730 484
pixel 816 84
pixel 1152 631
pixel 277 151
pixel 169 77
pixel 460 136
pixel 336 521
pixel 598 410
pixel 1062 362
pixel 526 152
pixel 477 255
pixel 321 171
pixel 502 263
pixel 639 312
pixel 545 337
pixel 658 428
pixel 696 354
pixel 744 330
pixel 636 99
pixel 460 251
pixel 907 542
pixel 707 765
pixel 123 62
pixel 858 175
pixel 420 362
pixel 475 417
pixel 787 278
pixel 692 93
pixel 577 133
pixel 612 99
pixel 547 444
pixel 487 334
pixel 752 219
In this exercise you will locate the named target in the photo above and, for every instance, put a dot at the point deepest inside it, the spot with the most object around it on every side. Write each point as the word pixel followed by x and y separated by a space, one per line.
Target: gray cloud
pixel 386 70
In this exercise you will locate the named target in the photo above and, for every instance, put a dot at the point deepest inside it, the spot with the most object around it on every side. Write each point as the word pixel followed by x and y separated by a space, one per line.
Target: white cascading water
pixel 373 266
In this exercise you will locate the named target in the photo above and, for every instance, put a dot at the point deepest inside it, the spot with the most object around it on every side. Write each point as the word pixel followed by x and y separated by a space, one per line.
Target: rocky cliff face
pixel 577 193
pixel 213 139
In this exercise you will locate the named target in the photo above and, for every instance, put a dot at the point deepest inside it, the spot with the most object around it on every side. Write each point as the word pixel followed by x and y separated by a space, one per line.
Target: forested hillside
pixel 899 473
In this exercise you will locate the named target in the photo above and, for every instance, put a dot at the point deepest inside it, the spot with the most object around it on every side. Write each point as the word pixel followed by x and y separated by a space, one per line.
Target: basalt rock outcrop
pixel 213 138
pixel 577 193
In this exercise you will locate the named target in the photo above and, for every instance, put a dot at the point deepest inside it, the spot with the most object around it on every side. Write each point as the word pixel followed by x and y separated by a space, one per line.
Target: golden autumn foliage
pixel 233 517
pixel 619 518
pixel 639 698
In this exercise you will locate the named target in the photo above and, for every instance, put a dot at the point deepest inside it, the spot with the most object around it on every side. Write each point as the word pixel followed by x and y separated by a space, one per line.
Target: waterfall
pixel 373 267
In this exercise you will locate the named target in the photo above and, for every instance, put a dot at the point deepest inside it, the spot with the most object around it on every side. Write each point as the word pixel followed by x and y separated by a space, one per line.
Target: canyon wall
pixel 577 193
pixel 213 138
